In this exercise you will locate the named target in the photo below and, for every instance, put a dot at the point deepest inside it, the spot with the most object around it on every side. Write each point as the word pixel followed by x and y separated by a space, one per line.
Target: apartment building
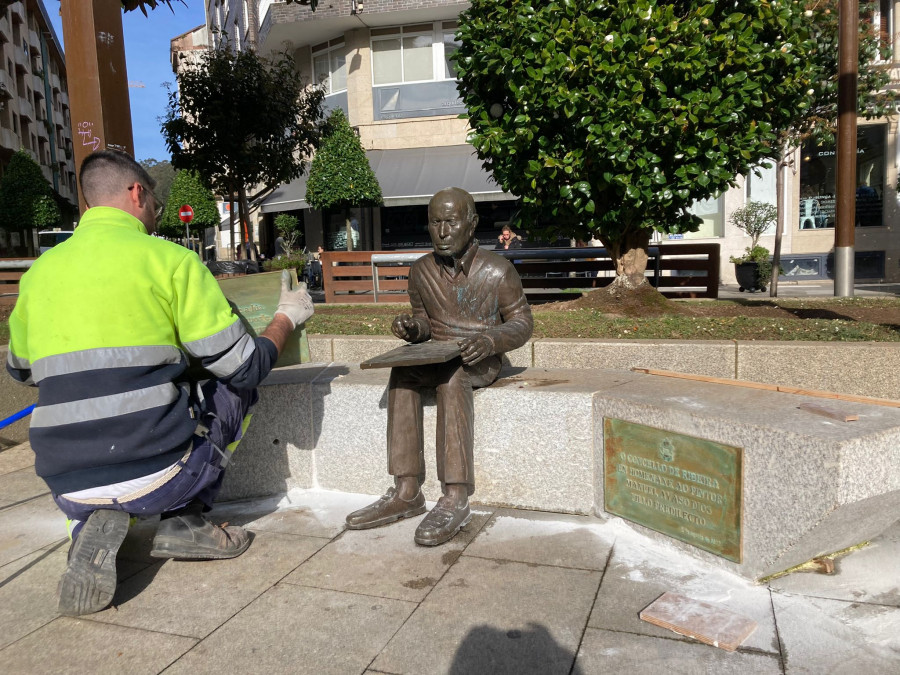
pixel 34 99
pixel 386 64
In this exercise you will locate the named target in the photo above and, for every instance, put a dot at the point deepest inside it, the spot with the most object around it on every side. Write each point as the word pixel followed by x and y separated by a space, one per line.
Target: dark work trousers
pixel 224 413
pixel 453 384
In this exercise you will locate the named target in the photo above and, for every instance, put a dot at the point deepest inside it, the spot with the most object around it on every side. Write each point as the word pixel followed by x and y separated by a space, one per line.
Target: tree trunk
pixel 245 219
pixel 234 250
pixel 349 229
pixel 779 221
pixel 630 255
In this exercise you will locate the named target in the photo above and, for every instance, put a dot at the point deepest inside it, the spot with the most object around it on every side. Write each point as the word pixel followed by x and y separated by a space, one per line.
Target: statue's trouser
pixel 453 384
pixel 196 476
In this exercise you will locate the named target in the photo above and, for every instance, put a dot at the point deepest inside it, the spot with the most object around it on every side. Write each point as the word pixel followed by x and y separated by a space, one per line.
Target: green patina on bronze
pixel 685 487
pixel 256 298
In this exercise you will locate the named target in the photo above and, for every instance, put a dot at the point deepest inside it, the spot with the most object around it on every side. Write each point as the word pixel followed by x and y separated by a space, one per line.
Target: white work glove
pixel 295 304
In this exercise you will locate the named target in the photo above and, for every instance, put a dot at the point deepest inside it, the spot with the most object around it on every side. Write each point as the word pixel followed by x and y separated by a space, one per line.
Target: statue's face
pixel 451 231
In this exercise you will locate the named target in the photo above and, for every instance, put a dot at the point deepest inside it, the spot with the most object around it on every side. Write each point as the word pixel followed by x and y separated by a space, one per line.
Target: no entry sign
pixel 186 213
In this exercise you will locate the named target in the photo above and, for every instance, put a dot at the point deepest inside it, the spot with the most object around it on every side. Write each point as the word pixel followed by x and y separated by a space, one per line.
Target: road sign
pixel 186 213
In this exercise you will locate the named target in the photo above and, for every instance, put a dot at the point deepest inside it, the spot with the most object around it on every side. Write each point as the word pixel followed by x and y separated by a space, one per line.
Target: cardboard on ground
pixel 255 299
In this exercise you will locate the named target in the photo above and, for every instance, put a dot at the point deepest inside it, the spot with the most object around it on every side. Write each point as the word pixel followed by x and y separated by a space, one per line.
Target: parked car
pixel 47 239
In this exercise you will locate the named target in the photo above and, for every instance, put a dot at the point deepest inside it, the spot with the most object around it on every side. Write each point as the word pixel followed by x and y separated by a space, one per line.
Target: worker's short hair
pixel 105 173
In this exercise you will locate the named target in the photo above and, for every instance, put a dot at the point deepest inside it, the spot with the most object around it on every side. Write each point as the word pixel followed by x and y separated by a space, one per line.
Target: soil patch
pixel 644 301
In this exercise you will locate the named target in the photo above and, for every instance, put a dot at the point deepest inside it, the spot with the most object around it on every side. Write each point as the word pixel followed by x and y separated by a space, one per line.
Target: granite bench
pixel 810 484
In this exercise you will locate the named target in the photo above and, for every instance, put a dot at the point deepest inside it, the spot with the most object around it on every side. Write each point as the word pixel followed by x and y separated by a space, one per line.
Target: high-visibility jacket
pixel 104 325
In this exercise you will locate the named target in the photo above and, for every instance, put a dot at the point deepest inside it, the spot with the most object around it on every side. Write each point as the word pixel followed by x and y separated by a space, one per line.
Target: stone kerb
pixel 861 368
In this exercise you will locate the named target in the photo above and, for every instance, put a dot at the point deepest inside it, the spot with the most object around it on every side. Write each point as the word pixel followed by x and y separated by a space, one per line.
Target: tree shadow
pixel 486 649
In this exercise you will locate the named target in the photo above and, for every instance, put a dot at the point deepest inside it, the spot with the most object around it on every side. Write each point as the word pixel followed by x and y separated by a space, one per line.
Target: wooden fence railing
pixel 548 274
pixel 11 270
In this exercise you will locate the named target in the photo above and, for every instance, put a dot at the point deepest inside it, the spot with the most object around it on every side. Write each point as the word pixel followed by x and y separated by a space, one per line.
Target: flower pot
pixel 747 275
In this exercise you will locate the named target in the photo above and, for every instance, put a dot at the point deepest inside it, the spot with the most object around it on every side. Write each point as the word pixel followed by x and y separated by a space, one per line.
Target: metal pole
pixel 98 84
pixel 844 232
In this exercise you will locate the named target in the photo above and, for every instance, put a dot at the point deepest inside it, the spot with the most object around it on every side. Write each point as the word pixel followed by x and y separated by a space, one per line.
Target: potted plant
pixel 753 270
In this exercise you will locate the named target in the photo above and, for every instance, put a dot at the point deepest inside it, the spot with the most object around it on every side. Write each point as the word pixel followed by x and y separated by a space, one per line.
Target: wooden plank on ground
pixel 891 403
pixel 828 412
pixel 711 624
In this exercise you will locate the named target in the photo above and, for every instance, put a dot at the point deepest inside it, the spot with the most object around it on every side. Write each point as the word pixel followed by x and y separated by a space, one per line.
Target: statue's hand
pixel 405 328
pixel 474 349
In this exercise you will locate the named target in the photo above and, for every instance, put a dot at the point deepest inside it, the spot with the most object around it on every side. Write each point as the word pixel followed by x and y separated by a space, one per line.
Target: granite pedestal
pixel 811 485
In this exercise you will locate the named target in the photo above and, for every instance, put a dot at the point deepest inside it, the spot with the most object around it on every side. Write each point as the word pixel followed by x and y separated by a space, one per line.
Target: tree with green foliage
pixel 163 173
pixel 340 176
pixel 818 120
pixel 188 188
pixel 288 228
pixel 611 118
pixel 240 121
pixel 26 198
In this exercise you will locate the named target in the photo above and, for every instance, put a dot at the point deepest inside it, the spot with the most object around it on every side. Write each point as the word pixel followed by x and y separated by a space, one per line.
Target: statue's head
pixel 451 222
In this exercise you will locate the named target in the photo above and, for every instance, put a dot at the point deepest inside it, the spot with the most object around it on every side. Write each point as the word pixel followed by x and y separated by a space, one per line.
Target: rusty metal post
pixel 844 232
pixel 98 82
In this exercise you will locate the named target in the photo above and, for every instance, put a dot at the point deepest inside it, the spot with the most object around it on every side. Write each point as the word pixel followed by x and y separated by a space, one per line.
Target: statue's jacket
pixel 479 294
pixel 104 325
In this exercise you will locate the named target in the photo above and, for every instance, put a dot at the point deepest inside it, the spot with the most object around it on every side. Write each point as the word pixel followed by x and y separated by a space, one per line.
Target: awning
pixel 407 177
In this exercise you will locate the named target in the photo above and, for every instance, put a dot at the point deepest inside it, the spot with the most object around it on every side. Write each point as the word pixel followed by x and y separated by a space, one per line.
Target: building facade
pixel 386 64
pixel 34 102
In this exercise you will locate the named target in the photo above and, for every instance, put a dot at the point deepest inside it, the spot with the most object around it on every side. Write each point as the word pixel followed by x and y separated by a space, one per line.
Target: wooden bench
pixel 11 270
pixel 548 274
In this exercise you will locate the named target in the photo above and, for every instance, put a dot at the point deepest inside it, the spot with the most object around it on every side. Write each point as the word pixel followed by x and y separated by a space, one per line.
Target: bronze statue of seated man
pixel 465 294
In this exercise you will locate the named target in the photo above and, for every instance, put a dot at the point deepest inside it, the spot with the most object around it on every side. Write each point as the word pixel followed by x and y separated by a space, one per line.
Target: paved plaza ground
pixel 516 592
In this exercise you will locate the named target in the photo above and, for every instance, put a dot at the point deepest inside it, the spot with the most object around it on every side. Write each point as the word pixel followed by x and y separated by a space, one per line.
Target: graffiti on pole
pixel 86 131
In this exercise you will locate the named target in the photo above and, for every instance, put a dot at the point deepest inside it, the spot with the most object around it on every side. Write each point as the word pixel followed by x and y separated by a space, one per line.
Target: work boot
pixel 89 582
pixel 443 522
pixel 187 534
pixel 387 509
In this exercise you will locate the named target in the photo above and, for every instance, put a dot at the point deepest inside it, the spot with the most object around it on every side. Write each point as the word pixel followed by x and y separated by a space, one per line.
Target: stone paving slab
pixel 495 616
pixel 543 539
pixel 21 485
pixel 832 636
pixel 17 457
pixel 608 652
pixel 84 646
pixel 385 561
pixel 28 526
pixel 28 592
pixel 299 630
pixel 193 598
pixel 311 513
pixel 638 573
pixel 857 576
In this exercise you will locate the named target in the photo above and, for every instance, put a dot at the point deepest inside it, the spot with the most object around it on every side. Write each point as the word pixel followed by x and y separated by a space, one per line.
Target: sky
pixel 147 61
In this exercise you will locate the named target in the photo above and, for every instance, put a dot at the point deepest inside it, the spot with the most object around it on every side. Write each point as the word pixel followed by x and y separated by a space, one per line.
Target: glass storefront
pixel 818 167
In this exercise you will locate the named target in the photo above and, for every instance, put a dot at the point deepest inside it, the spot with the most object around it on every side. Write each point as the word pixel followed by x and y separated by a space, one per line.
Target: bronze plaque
pixel 255 296
pixel 685 487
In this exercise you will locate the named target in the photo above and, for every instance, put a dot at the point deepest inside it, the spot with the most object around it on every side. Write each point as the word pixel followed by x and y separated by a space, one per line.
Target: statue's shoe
pixel 442 523
pixel 389 508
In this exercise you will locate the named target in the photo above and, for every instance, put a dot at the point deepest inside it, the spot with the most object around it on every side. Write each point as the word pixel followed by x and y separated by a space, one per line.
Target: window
pixel 818 168
pixel 418 53
pixel 330 66
pixel 878 15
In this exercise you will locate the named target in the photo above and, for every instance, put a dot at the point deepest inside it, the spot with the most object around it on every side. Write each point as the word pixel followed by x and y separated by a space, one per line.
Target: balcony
pixel 7 86
pixel 38 86
pixel 17 12
pixel 26 110
pixel 22 59
pixel 34 43
pixel 54 81
pixel 9 140
pixel 42 132
pixel 4 30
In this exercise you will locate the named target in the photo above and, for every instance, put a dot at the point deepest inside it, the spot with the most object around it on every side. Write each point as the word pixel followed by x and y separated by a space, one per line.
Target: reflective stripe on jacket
pixel 104 325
